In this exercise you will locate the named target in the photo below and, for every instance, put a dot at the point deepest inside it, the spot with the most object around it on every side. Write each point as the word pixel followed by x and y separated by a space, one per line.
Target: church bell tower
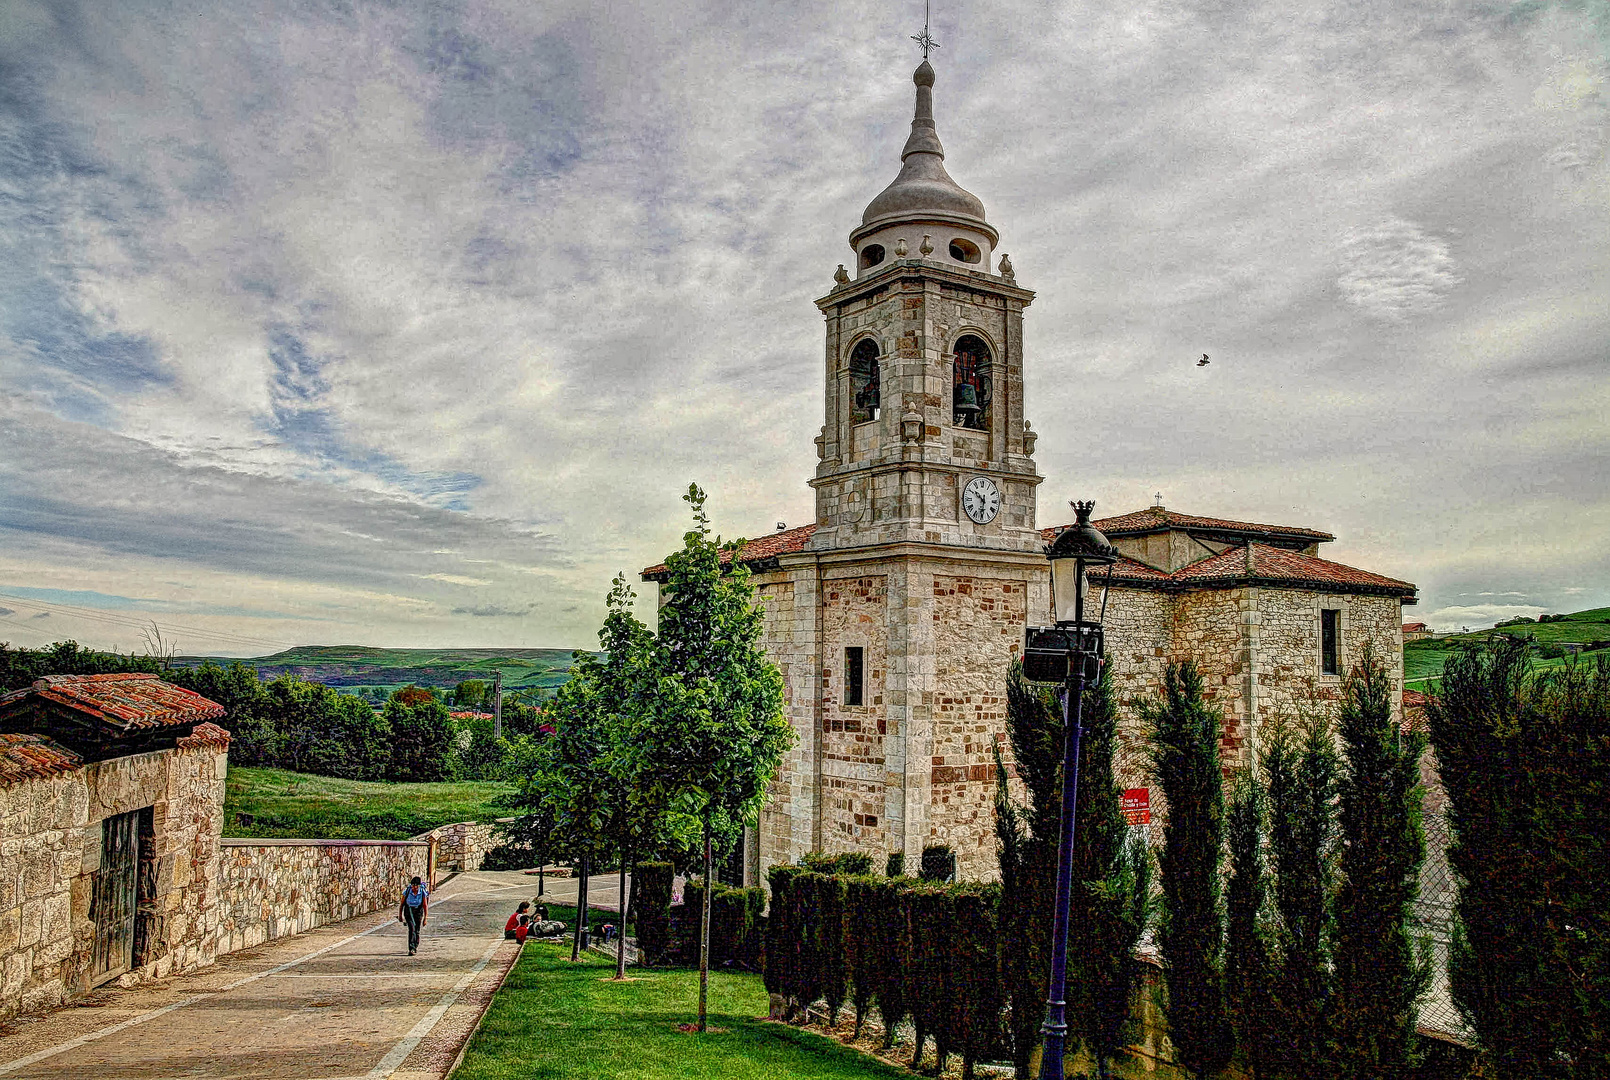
pixel 925 441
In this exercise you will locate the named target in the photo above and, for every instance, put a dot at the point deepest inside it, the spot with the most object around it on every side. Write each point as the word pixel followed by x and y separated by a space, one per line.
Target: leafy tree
pixel 1300 770
pixel 470 694
pixel 1525 760
pixel 421 735
pixel 253 739
pixel 1183 733
pixel 20 667
pixel 1379 977
pixel 716 733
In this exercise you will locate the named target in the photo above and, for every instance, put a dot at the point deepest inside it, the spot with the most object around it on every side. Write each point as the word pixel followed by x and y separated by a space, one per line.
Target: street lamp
pixel 1068 653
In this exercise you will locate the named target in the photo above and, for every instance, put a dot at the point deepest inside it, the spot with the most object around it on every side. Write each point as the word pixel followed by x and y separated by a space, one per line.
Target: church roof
pixel 757 554
pixel 1158 519
pixel 1260 564
pixel 923 186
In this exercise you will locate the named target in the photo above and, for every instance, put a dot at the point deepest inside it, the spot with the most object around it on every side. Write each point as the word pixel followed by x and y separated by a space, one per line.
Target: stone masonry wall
pixel 855 614
pixel 275 888
pixel 43 821
pixel 788 820
pixel 462 846
pixel 978 625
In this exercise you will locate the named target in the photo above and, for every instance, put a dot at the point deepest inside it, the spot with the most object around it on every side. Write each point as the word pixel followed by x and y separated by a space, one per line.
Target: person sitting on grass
pixel 515 921
pixel 523 929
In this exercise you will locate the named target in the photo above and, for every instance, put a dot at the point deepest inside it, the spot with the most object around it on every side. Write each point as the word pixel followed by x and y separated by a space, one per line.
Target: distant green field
pixel 354 667
pixel 1423 660
pixel 277 802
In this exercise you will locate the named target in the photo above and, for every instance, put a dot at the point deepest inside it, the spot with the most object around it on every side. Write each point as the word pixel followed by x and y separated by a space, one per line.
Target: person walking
pixel 413 910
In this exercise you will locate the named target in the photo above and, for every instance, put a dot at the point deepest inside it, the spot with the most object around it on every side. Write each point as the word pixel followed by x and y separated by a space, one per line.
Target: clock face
pixel 981 499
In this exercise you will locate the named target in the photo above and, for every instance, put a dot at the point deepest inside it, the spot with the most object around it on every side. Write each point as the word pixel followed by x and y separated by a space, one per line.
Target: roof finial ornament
pixel 924 39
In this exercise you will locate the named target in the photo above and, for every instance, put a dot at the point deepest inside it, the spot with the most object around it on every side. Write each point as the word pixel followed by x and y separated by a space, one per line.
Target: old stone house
pixel 112 789
pixel 895 615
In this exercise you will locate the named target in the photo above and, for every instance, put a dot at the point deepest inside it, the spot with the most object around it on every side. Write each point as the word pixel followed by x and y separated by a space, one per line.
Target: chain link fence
pixel 1433 918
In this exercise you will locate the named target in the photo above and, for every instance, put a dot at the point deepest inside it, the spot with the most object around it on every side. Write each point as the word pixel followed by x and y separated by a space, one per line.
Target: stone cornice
pixel 919 270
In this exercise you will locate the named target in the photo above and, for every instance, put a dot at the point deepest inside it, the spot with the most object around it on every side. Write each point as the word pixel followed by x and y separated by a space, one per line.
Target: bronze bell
pixel 966 407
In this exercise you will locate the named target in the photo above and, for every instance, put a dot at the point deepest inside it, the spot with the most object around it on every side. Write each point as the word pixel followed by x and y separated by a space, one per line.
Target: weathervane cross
pixel 925 39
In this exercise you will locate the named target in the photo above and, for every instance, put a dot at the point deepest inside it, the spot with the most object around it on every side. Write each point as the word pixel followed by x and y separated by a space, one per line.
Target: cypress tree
pixel 1248 967
pixel 1027 848
pixel 1525 760
pixel 1108 912
pixel 1379 977
pixel 1299 770
pixel 1183 735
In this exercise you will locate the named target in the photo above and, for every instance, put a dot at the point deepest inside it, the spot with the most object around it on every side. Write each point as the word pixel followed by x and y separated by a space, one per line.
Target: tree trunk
pixel 704 929
pixel 581 911
pixel 620 933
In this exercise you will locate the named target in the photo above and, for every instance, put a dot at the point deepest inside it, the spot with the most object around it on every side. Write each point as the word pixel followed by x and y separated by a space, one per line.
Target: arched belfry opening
pixel 864 382
pixel 970 383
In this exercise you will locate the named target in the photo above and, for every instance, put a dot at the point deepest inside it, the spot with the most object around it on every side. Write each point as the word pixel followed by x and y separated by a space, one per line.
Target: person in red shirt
pixel 512 927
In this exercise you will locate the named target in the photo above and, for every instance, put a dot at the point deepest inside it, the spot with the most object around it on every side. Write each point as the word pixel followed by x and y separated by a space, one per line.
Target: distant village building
pixel 1416 631
pixel 895 615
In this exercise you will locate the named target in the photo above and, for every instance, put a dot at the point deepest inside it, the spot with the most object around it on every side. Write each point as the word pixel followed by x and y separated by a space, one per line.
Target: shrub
pixel 843 862
pixel 973 979
pixel 886 958
pixel 651 907
pixel 861 953
pixel 923 964
pixel 896 864
pixel 734 925
pixel 785 936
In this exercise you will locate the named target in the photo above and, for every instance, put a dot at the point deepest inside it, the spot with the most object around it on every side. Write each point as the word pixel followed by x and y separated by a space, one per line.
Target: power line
pixel 73 611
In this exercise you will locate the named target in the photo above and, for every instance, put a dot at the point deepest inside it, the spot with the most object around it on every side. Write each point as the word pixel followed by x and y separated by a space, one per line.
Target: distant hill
pixel 1423 660
pixel 361 666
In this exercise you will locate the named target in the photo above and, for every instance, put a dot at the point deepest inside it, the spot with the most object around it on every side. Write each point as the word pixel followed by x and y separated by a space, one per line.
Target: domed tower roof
pixel 923 190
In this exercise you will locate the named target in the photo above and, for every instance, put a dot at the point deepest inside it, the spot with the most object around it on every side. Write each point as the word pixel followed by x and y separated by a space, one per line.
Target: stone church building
pixel 895 615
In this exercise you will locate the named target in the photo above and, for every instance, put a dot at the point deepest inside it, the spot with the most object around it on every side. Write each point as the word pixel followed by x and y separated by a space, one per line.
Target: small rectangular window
pixel 852 676
pixel 1330 622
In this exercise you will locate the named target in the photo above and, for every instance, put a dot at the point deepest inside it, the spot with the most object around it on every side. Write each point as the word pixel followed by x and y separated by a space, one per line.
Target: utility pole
pixel 497 702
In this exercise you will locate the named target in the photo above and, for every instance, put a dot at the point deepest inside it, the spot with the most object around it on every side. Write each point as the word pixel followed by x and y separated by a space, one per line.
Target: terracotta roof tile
pixel 1262 563
pixel 129 700
pixel 770 546
pixel 205 734
pixel 25 757
pixel 1157 518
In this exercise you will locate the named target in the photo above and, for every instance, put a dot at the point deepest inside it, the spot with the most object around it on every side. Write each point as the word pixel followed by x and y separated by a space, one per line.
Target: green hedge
pixel 921 949
pixel 735 925
pixel 651 910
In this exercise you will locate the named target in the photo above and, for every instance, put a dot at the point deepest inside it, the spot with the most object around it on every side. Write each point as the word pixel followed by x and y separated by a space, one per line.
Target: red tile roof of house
pixel 128 700
pixel 770 546
pixel 1157 518
pixel 1415 628
pixel 1415 699
pixel 26 757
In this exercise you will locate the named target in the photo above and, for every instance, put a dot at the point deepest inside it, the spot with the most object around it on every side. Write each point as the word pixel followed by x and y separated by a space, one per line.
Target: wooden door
pixel 113 897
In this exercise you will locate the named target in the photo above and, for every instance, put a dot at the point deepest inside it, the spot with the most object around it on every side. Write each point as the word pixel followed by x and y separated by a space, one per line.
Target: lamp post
pixel 1069 654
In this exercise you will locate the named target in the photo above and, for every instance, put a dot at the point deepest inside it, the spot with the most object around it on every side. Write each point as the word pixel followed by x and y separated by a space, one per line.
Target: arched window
pixel 964 251
pixel 970 384
pixel 871 255
pixel 864 382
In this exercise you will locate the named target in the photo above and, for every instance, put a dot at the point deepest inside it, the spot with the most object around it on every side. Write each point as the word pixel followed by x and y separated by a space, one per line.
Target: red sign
pixel 1138 806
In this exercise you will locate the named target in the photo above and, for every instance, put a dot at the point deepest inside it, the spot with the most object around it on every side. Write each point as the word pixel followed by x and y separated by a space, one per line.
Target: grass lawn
pixel 1423 660
pixel 554 1019
pixel 282 803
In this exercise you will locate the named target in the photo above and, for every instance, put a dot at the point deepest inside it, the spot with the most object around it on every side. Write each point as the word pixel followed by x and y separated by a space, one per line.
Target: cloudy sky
pixel 408 323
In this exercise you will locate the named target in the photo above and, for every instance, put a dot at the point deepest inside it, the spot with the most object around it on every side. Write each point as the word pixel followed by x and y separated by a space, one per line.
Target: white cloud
pixel 1479 616
pixel 337 312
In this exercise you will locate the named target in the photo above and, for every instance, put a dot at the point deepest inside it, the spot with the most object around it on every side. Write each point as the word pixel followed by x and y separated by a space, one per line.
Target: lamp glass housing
pixel 1067 585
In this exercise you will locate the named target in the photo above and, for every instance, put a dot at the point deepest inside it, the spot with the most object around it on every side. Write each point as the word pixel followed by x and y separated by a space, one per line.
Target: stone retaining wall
pixel 461 846
pixel 275 888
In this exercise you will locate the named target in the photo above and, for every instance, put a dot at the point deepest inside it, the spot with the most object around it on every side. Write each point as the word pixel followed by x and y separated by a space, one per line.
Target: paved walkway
pixel 343 1001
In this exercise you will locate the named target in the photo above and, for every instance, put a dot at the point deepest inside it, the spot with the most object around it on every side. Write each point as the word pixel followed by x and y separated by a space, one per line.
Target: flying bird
pixel 1203 362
